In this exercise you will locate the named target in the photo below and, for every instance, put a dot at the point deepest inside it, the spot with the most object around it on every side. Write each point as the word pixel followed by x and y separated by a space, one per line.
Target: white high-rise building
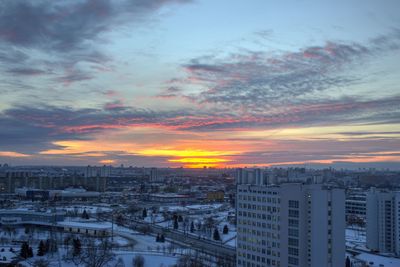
pixel 155 177
pixel 290 225
pixel 94 171
pixel 250 176
pixel 383 221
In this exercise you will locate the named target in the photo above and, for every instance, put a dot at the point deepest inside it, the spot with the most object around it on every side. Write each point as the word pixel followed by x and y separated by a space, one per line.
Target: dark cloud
pixel 170 92
pixel 26 71
pixel 67 25
pixel 115 105
pixel 69 32
pixel 35 128
pixel 369 133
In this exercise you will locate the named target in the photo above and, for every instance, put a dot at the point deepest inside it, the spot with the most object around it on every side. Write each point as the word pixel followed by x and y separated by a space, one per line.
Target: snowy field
pixel 150 260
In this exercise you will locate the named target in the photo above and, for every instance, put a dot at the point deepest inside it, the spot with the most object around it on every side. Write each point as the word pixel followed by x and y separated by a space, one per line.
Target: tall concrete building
pixel 250 176
pixel 94 171
pixel 290 225
pixel 356 205
pixel 383 225
pixel 155 177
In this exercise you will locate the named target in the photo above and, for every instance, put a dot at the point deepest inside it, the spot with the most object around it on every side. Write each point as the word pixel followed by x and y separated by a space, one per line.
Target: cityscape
pixel 193 133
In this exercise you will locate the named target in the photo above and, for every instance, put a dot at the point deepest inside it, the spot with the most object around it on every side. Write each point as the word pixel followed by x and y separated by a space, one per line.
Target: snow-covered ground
pixel 127 244
pixel 200 215
pixel 356 238
pixel 6 255
pixel 150 259
pixel 377 260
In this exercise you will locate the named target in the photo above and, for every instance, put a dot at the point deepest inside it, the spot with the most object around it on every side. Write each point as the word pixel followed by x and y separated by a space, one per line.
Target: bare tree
pixel 41 263
pixel 190 260
pixel 97 255
pixel 120 263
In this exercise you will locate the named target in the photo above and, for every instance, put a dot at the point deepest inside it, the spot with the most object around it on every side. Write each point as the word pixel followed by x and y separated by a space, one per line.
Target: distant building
pixel 67 194
pixel 14 180
pixel 170 198
pixel 215 196
pixel 94 171
pixel 155 177
pixel 383 221
pixel 250 176
pixel 290 225
pixel 21 217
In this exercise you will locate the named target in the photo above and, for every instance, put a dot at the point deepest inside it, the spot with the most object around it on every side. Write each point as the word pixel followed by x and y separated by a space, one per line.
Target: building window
pixel 293 242
pixel 294 213
pixel 293 204
pixel 293 261
pixel 293 251
pixel 293 232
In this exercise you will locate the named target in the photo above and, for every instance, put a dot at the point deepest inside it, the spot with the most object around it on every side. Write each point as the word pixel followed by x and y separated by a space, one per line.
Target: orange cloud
pixel 199 160
pixel 12 154
pixel 107 161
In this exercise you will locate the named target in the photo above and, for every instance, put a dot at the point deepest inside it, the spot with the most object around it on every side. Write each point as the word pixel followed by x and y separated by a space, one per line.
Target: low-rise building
pixel 21 217
pixel 87 228
pixel 215 196
pixel 170 198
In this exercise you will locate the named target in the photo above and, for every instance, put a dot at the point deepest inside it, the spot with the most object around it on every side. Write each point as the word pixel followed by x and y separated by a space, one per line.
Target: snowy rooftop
pixel 86 225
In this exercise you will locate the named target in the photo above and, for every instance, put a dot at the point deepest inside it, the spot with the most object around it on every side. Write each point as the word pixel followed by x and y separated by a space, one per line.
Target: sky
pixel 193 83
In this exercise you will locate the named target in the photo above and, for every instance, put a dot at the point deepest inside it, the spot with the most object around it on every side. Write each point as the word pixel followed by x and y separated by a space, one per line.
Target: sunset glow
pixel 137 85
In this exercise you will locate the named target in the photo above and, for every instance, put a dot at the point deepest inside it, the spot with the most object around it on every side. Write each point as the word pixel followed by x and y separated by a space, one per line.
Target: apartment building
pixel 356 203
pixel 383 221
pixel 290 225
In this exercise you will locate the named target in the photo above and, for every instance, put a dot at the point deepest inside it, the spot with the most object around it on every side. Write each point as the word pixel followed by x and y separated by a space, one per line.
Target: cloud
pixel 369 133
pixel 63 35
pixel 12 154
pixel 32 128
pixel 170 92
pixel 256 80
pixel 117 104
pixel 67 25
pixel 26 71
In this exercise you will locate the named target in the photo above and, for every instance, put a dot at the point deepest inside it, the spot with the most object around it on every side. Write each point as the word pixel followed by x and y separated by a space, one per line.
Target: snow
pixel 377 260
pixel 7 255
pixel 356 239
pixel 89 209
pixel 150 260
pixel 87 225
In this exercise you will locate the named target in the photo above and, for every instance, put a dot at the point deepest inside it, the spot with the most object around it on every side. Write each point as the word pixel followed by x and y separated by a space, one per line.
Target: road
pixel 211 247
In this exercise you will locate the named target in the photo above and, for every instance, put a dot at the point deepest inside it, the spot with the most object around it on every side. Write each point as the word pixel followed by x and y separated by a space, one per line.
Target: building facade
pixel 383 225
pixel 290 225
pixel 356 206
pixel 21 217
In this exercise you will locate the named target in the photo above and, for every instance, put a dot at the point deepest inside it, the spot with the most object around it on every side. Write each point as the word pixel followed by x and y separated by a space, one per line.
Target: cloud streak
pixel 256 80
